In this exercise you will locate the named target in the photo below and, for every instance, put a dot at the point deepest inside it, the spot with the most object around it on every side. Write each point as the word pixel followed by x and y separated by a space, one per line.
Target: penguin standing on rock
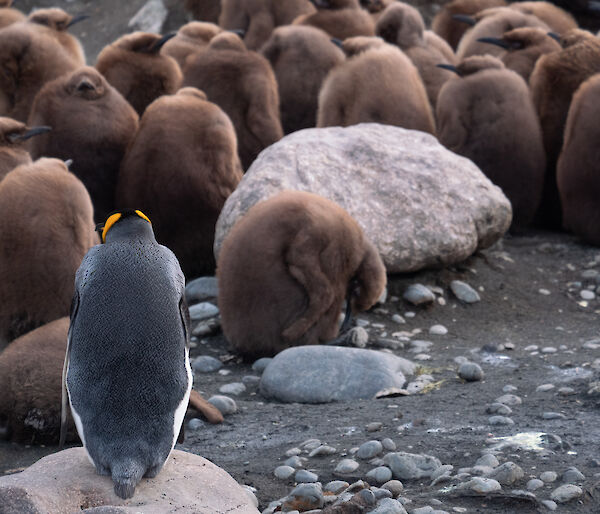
pixel 127 370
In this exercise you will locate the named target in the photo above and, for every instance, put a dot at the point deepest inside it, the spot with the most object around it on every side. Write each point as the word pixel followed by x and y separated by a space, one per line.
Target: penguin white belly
pixel 79 425
pixel 181 410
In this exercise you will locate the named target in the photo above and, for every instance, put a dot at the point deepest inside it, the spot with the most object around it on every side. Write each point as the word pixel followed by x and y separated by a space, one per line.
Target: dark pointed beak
pixel 337 42
pixel 554 36
pixel 77 19
pixel 464 19
pixel 159 44
pixel 85 84
pixel 35 131
pixel 448 67
pixel 239 32
pixel 495 41
pixel 322 4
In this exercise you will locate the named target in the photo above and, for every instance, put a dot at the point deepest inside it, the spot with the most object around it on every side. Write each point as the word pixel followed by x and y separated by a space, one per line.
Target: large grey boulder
pixel 66 482
pixel 322 374
pixel 420 204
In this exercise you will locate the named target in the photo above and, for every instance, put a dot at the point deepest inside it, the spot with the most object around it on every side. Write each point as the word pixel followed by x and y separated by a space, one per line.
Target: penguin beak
pixel 239 32
pixel 159 44
pixel 77 19
pixel 449 67
pixel 35 131
pixel 463 18
pixel 337 42
pixel 85 84
pixel 495 41
pixel 321 4
pixel 554 36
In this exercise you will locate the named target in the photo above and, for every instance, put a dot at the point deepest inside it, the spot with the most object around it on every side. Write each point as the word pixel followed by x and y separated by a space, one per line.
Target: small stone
pixel 195 424
pixel 589 273
pixel 206 364
pixel 498 408
pixel 346 466
pixel 358 337
pixel 566 391
pixel 369 450
pixel 442 470
pixel 572 475
pixel 374 426
pixel 388 506
pixel 202 311
pixel 438 330
pixel 380 475
pixel 422 357
pixel 482 485
pixel 509 388
pixel 388 444
pixel 553 415
pixel 294 461
pixel 487 460
pixel 233 388
pixel 336 486
pixel 545 292
pixel 322 450
pixel 396 318
pixel 587 295
pixel 544 387
pixel 423 510
pixel 304 497
pixel 310 444
pixel 464 292
pixel 566 493
pixel 531 348
pixel 251 381
pixel 225 404
pixel 284 472
pixel 418 294
pixel 507 473
pixel 500 420
pixel 394 486
pixel 292 452
pixel 406 466
pixel 260 364
pixel 410 314
pixel 305 476
pixel 201 289
pixel 549 504
pixel 509 399
pixel 534 484
pixel 471 372
pixel 548 477
pixel 549 349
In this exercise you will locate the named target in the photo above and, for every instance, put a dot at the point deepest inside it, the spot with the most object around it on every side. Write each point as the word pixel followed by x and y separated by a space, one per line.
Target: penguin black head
pixel 130 223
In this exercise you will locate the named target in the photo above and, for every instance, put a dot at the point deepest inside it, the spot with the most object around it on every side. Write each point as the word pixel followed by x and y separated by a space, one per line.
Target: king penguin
pixel 127 372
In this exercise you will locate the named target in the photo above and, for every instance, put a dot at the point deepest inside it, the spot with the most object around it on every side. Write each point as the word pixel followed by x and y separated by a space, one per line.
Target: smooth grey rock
pixel 336 486
pixel 305 476
pixel 346 466
pixel 307 496
pixel 388 444
pixel 380 475
pixel 438 330
pixel 294 462
pixel 64 481
pixel 201 289
pixel 421 204
pixel 284 472
pixel 202 311
pixel 566 493
pixel 487 460
pixel 225 404
pixel 544 387
pixel 482 485
pixel 507 473
pixel 509 399
pixel 464 292
pixel 549 504
pixel 418 294
pixel 374 426
pixel 394 486
pixel 195 424
pixel 572 475
pixel 206 364
pixel 388 506
pixel 369 450
pixel 150 18
pixel 322 450
pixel 548 477
pixel 358 337
pixel 381 493
pixel 406 466
pixel 321 374
pixel 498 408
pixel 261 364
pixel 233 388
pixel 553 415
pixel 446 468
pixel 534 484
pixel 500 420
pixel 470 371
pixel 251 381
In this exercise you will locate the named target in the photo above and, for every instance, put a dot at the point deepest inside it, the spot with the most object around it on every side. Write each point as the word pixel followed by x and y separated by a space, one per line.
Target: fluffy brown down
pixel 242 83
pixel 341 19
pixel 190 38
pixel 379 85
pixel 28 59
pixel 510 150
pixel 183 198
pixel 402 25
pixel 92 124
pixel 578 169
pixel 557 19
pixel 284 271
pixel 553 82
pixel 46 227
pixel 301 57
pixel 258 18
pixel 13 151
pixel 134 66
pixel 8 15
pixel 204 10
pixel 452 30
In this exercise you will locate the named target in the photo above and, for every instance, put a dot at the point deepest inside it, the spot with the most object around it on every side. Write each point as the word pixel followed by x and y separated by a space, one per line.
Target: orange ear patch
pixel 143 216
pixel 112 219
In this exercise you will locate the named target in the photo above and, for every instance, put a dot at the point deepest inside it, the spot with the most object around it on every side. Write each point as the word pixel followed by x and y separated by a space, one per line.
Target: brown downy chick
pixel 378 85
pixel 578 169
pixel 204 10
pixel 92 124
pixel 28 59
pixel 258 18
pixel 8 15
pixel 523 47
pixel 376 7
pixel 56 22
pixel 13 150
pixel 553 82
pixel 190 38
pixel 134 66
pixel 206 172
pixel 449 28
pixel 301 57
pixel 403 26
pixel 494 22
pixel 341 19
pixel 242 83
pixel 46 227
pixel 356 45
pixel 285 269
pixel 557 19
pixel 486 115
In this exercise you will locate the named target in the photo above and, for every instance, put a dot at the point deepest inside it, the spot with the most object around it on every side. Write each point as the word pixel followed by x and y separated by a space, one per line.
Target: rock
pixel 346 466
pixel 206 364
pixel 321 374
pixel 233 388
pixel 418 294
pixel 322 450
pixel 394 486
pixel 464 292
pixel 336 486
pixel 421 204
pixel 438 330
pixel 284 472
pixel 498 408
pixel 507 473
pixel 388 506
pixel 374 426
pixel 549 504
pixel 358 337
pixel 406 466
pixel 544 387
pixel 201 289
pixel 553 415
pixel 369 450
pixel 548 477
pixel 482 485
pixel 500 420
pixel 566 493
pixel 294 462
pixel 379 475
pixel 150 18
pixel 260 365
pixel 509 399
pixel 196 424
pixel 388 444
pixel 225 404
pixel 572 475
pixel 304 497
pixel 487 460
pixel 470 371
pixel 305 476
pixel 534 484
pixel 202 311
pixel 64 481
pixel 587 295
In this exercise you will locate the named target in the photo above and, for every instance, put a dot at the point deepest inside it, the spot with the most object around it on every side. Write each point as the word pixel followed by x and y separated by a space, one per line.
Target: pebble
pixel 284 472
pixel 545 292
pixel 470 371
pixel 566 391
pixel 233 388
pixel 548 477
pixel 587 295
pixel 195 424
pixel 498 408
pixel 509 388
pixel 388 444
pixel 224 372
pixel 369 450
pixel 294 461
pixel 346 466
pixel 531 348
pixel 589 273
pixel 482 485
pixel 389 506
pixel 534 484
pixel 225 404
pixel 544 387
pixel 251 381
pixel 393 486
pixel 322 450
pixel 260 364
pixel 487 460
pixel 206 364
pixel 200 289
pixel 306 496
pixel 358 337
pixel 410 314
pixel 500 420
pixel 418 294
pixel 464 292
pixel 549 504
pixel 380 475
pixel 202 311
pixel 572 475
pixel 442 470
pixel 304 476
pixel 310 444
pixel 406 466
pixel 292 452
pixel 509 399
pixel 374 426
pixel 553 415
pixel 549 349
pixel 566 493
pixel 396 318
pixel 507 473
pixel 336 486
pixel 438 330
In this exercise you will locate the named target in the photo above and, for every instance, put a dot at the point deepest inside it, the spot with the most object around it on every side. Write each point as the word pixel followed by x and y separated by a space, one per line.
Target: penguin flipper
pixel 185 321
pixel 64 410
pixel 181 436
